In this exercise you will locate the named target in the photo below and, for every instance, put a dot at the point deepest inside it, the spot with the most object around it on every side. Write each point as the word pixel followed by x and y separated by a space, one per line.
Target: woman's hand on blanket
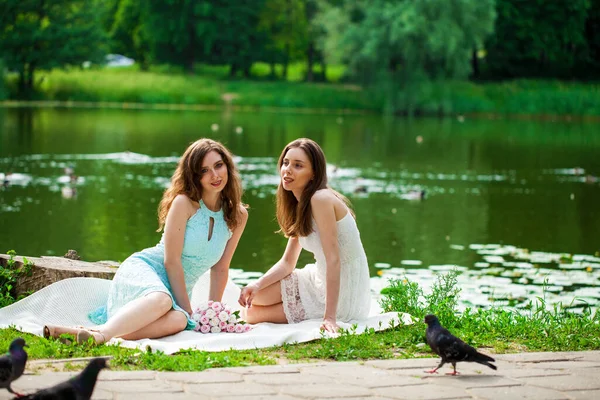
pixel 330 325
pixel 247 295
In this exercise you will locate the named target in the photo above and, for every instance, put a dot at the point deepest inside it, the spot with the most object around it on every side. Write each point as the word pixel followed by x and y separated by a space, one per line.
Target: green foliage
pixel 44 35
pixel 402 44
pixel 3 90
pixel 406 296
pixel 538 38
pixel 539 327
pixel 128 33
pixel 9 276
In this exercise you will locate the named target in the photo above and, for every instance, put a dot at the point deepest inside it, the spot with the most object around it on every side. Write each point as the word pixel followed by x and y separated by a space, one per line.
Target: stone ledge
pixel 47 270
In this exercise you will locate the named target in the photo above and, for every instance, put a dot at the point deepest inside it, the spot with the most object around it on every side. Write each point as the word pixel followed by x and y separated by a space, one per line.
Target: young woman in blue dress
pixel 203 219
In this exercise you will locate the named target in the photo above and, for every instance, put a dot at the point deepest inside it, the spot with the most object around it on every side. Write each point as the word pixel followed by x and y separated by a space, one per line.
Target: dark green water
pixel 506 182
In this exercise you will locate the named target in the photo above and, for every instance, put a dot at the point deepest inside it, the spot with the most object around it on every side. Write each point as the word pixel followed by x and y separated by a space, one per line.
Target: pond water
pixel 513 204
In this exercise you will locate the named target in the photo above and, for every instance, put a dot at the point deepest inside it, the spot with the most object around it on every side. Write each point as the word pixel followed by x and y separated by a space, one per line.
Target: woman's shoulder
pixel 324 197
pixel 183 203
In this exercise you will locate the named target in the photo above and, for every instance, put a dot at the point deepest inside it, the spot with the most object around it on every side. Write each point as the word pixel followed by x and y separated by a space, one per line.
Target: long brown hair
pixel 295 217
pixel 186 180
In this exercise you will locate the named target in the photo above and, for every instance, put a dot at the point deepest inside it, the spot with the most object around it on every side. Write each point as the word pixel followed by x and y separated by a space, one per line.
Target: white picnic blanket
pixel 69 301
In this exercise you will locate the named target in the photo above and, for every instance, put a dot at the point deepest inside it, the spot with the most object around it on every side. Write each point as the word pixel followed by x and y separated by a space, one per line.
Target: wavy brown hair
pixel 295 217
pixel 186 180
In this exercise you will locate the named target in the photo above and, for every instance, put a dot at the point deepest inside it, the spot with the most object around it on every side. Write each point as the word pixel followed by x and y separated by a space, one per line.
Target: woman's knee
pixel 162 301
pixel 178 320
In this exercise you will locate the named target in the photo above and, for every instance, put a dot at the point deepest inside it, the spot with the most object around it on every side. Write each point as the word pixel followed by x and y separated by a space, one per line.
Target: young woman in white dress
pixel 316 218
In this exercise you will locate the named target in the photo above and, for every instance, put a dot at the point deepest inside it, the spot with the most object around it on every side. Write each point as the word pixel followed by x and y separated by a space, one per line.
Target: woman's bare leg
pixel 272 313
pixel 268 296
pixel 137 314
pixel 169 324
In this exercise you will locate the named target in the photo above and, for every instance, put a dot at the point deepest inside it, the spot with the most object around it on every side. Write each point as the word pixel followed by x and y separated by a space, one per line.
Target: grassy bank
pixel 209 86
pixel 499 330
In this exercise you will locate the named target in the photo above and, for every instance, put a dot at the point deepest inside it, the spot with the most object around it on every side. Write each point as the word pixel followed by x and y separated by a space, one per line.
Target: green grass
pixel 210 85
pixel 501 330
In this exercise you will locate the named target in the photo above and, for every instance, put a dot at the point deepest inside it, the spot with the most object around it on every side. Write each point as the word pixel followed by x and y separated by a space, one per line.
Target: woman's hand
pixel 247 295
pixel 330 325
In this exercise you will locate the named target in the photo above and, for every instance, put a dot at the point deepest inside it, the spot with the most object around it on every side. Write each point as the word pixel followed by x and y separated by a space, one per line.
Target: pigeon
pixel 12 364
pixel 451 348
pixel 79 387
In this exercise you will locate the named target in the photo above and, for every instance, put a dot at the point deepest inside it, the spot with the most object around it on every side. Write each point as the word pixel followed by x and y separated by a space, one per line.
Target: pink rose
pixel 247 328
pixel 205 328
pixel 216 306
pixel 223 316
pixel 210 302
pixel 239 328
pixel 231 328
pixel 197 328
pixel 204 320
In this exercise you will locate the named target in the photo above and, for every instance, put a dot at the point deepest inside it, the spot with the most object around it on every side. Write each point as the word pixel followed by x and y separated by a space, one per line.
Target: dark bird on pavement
pixel 451 348
pixel 12 364
pixel 79 387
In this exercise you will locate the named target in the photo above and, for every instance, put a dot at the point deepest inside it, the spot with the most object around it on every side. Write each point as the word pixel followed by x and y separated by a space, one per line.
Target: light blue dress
pixel 144 272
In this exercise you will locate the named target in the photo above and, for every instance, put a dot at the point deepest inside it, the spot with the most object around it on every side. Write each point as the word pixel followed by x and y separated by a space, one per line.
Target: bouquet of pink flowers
pixel 215 317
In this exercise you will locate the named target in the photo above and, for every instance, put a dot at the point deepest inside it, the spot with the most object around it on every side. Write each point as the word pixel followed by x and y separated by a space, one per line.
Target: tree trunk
pixel 233 70
pixel 310 59
pixel 247 70
pixel 286 61
pixel 30 76
pixel 474 65
pixel 323 70
pixel 22 81
pixel 272 73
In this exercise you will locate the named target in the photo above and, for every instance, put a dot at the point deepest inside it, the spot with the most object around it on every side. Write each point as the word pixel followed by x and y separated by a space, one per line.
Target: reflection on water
pixel 425 192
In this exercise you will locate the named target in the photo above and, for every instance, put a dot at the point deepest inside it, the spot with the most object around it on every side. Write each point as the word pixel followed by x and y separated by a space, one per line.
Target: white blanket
pixel 69 301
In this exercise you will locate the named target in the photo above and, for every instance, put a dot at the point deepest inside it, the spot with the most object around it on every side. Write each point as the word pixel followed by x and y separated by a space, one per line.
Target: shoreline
pixel 7 104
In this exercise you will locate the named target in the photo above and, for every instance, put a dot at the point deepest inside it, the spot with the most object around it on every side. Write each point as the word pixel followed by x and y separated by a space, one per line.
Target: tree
pixel 537 38
pixel 40 35
pixel 403 44
pixel 285 24
pixel 128 34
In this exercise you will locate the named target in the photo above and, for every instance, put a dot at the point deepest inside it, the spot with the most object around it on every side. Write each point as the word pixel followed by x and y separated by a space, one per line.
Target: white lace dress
pixel 303 291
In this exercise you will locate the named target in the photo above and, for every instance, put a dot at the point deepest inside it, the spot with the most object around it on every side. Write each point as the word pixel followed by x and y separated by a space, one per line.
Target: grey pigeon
pixel 79 387
pixel 451 348
pixel 12 364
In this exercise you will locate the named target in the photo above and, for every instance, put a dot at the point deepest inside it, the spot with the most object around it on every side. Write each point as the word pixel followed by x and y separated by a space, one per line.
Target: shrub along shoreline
pixel 170 90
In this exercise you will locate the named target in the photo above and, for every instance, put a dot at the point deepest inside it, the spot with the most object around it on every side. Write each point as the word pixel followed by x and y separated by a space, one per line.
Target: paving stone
pixel 288 379
pixel 126 375
pixel 541 357
pixel 575 364
pixel 267 369
pixel 159 396
pixel 140 386
pixel 102 395
pixel 427 363
pixel 472 381
pixel 361 375
pixel 584 394
pixel 353 398
pixel 230 389
pixel 517 393
pixel 422 392
pixel 264 397
pixel 525 371
pixel 569 382
pixel 324 390
pixel 208 376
